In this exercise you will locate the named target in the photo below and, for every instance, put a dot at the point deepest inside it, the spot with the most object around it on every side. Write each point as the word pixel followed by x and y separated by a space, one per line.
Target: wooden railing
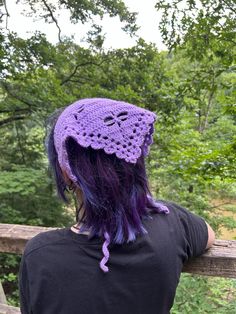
pixel 219 261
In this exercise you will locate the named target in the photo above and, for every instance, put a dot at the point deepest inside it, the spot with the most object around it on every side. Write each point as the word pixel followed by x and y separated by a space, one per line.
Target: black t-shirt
pixel 60 271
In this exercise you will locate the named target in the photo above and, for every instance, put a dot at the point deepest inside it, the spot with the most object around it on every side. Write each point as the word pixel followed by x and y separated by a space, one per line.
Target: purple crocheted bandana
pixel 114 126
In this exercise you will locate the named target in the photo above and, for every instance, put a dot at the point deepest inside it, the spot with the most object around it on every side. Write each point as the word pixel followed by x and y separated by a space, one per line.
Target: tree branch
pixel 7 13
pixel 12 94
pixel 77 67
pixel 209 104
pixel 14 110
pixel 217 206
pixel 53 18
pixel 20 143
pixel 229 6
pixel 11 119
pixel 79 81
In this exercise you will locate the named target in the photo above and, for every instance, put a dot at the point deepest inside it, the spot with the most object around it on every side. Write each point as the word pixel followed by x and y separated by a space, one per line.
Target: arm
pixel 23 288
pixel 197 233
pixel 211 236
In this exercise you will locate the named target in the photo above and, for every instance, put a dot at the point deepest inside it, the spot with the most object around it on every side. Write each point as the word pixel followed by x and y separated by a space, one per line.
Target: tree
pixel 203 27
pixel 83 11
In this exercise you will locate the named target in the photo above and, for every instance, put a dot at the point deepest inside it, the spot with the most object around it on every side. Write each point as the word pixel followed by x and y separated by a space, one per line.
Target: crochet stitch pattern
pixel 114 126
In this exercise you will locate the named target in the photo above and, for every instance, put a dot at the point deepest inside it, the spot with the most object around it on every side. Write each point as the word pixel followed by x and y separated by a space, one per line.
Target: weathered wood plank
pixel 14 237
pixel 3 299
pixel 220 260
pixel 7 309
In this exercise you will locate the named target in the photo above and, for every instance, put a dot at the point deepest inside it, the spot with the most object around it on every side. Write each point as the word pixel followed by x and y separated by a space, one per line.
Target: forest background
pixel 191 87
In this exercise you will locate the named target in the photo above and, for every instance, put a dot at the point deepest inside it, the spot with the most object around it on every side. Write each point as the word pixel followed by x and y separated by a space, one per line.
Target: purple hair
pixel 116 194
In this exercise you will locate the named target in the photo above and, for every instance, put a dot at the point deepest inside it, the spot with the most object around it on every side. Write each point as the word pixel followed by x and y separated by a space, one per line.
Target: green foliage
pixel 9 267
pixel 204 28
pixel 199 295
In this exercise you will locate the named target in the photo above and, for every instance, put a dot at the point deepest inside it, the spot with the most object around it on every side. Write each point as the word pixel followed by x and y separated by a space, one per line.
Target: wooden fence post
pixel 3 299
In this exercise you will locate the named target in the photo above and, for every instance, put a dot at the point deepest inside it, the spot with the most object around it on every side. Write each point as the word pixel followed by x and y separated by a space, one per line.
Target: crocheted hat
pixel 114 126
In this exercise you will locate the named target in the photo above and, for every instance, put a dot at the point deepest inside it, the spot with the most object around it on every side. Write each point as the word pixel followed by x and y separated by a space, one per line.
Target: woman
pixel 126 251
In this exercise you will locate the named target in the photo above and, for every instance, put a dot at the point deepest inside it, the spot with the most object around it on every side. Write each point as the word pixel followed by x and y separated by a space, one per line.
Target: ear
pixel 69 183
pixel 66 177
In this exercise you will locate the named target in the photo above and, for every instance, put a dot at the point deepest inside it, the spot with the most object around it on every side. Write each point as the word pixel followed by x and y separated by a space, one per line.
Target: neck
pixel 77 227
pixel 80 202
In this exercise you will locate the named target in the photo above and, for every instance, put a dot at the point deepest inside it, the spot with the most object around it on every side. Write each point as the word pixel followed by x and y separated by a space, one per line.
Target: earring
pixel 71 186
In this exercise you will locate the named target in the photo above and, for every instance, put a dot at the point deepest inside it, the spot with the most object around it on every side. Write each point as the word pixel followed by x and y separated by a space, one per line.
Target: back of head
pixel 101 145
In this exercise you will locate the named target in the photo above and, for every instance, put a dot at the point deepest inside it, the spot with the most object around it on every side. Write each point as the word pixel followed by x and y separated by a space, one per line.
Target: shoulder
pixel 44 239
pixel 175 212
pixel 192 227
pixel 179 212
pixel 185 218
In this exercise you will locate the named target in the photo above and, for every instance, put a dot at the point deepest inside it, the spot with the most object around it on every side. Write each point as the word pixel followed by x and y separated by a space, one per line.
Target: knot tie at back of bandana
pixel 114 126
